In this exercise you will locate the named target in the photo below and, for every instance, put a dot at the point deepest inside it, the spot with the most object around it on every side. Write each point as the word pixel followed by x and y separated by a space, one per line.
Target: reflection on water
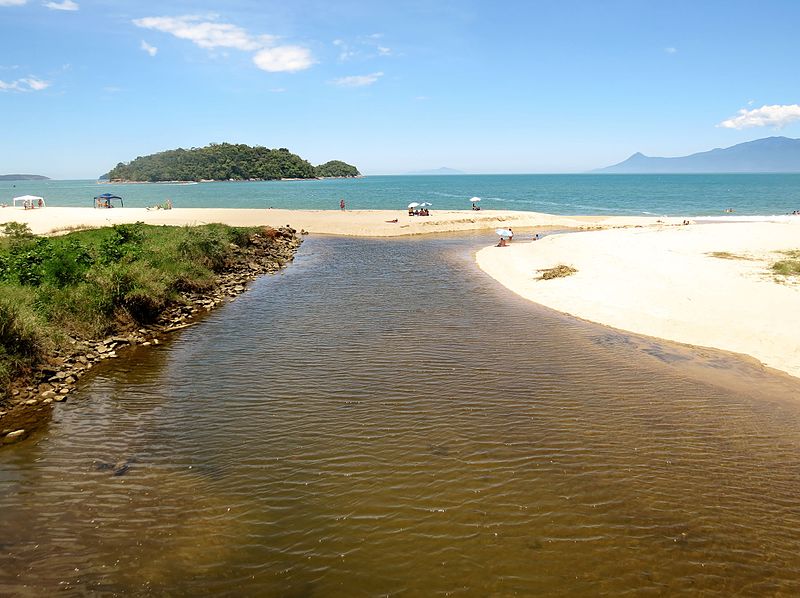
pixel 383 419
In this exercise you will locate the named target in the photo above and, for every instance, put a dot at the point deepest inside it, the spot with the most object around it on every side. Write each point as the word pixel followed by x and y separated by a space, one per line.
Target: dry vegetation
pixel 790 266
pixel 727 255
pixel 559 271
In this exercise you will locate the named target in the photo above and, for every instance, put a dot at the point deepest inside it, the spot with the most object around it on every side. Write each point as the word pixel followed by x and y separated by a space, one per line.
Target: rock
pixel 14 436
pixel 48 393
pixel 59 398
pixel 31 402
pixel 47 401
pixel 64 391
pixel 70 380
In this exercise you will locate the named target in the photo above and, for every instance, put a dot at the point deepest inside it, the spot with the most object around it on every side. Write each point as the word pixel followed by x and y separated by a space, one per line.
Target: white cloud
pixel 12 3
pixel 283 59
pixel 26 84
pixel 671 50
pixel 35 84
pixel 766 116
pixel 206 33
pixel 152 50
pixel 345 53
pixel 358 80
pixel 64 5
pixel 363 47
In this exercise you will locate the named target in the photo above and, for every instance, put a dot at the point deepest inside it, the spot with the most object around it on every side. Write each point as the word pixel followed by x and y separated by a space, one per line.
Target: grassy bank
pixel 88 284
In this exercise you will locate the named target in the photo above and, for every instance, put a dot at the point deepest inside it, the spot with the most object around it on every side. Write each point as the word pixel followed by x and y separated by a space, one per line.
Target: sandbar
pixel 359 223
pixel 706 285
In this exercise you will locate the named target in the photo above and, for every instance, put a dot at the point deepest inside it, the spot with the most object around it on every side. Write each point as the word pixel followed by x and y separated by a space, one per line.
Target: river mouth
pixel 383 418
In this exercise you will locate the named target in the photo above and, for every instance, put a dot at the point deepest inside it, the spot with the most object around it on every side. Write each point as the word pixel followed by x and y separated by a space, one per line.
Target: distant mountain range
pixel 772 154
pixel 23 177
pixel 442 170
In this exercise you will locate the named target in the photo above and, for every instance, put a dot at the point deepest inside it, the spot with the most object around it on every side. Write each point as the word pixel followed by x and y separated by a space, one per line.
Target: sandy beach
pixel 648 275
pixel 665 282
pixel 359 223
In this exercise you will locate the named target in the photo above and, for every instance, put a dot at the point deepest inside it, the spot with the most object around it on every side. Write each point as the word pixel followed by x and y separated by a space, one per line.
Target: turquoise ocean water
pixel 674 195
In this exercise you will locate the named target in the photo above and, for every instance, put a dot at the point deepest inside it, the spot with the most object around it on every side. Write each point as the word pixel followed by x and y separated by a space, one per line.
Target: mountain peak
pixel 770 154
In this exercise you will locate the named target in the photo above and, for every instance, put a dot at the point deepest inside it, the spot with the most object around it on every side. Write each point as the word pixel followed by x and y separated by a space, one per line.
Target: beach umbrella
pixel 413 204
pixel 503 232
pixel 474 199
pixel 425 204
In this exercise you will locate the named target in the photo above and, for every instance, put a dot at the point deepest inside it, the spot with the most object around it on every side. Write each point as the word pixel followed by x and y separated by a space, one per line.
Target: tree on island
pixel 336 168
pixel 222 162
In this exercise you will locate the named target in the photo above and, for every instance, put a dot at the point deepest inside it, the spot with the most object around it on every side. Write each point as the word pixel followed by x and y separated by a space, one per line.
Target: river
pixel 383 419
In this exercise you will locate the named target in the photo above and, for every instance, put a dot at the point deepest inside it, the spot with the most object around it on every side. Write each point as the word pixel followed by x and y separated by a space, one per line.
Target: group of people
pixel 418 212
pixel 506 239
pixel 167 205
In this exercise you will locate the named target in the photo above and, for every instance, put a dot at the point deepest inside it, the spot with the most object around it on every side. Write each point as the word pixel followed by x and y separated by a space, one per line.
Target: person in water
pixel 341 204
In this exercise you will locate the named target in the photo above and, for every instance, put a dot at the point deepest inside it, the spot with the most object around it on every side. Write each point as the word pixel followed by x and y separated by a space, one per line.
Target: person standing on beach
pixel 341 204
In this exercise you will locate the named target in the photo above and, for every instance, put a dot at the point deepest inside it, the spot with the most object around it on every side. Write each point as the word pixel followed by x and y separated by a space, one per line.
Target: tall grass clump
pixel 89 283
pixel 789 266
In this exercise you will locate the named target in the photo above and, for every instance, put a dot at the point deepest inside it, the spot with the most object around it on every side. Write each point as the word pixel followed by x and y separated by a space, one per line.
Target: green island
pixel 224 162
pixel 63 297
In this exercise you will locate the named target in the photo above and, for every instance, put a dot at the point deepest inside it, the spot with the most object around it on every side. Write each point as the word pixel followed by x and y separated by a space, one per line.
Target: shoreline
pixel 31 396
pixel 356 223
pixel 642 274
pixel 703 285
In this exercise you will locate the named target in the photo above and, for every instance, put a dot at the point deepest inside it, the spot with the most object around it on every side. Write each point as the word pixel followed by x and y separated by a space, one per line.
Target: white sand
pixel 661 282
pixel 335 222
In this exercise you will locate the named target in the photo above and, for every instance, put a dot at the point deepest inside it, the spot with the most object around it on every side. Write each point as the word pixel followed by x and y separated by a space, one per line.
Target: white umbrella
pixel 503 232
pixel 425 204
pixel 474 199
pixel 413 204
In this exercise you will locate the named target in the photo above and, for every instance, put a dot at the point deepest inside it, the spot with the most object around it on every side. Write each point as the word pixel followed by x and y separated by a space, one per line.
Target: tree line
pixel 226 161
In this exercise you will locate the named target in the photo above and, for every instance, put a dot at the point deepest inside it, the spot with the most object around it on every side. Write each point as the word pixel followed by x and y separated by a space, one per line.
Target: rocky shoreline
pixel 30 404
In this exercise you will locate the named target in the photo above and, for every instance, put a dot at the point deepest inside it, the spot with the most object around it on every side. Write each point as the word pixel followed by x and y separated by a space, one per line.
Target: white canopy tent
pixel 29 201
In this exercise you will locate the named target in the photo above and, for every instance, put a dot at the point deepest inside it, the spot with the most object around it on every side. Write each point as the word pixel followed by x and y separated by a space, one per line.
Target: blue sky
pixel 555 86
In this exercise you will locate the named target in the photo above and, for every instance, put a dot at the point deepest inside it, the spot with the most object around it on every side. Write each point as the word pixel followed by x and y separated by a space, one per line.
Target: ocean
pixel 691 195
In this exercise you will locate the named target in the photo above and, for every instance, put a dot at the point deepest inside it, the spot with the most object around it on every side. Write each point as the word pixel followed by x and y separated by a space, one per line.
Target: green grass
pixel 90 283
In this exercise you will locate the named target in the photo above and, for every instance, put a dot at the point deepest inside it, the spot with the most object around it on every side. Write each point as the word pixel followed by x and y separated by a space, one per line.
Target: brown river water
pixel 383 419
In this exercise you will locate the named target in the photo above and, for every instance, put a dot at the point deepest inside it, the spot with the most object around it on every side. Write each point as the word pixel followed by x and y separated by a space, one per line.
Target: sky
pixel 393 86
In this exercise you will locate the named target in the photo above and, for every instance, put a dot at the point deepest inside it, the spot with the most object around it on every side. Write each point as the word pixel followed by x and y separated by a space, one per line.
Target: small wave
pixel 753 218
